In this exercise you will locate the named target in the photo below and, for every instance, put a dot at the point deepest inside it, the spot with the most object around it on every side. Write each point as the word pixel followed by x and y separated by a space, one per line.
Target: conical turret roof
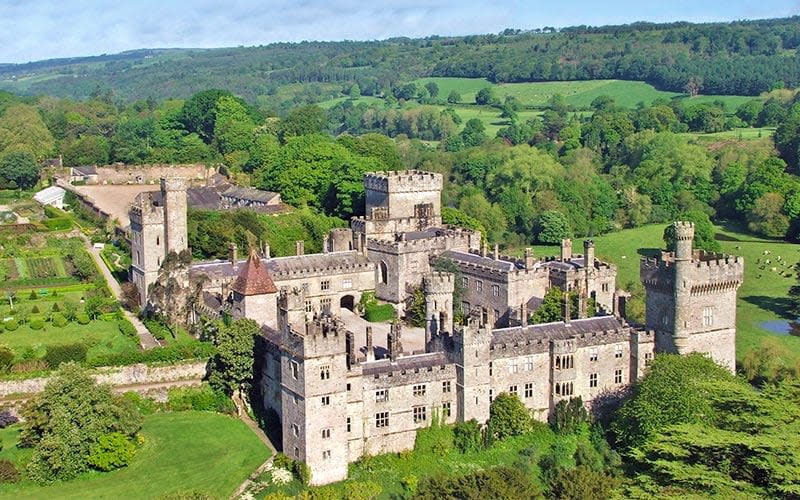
pixel 254 279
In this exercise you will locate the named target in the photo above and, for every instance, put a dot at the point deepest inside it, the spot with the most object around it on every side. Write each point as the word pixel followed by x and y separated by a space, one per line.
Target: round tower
pixel 173 190
pixel 438 287
pixel 684 235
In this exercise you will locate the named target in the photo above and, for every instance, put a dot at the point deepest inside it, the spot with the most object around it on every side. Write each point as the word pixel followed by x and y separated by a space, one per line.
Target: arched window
pixel 384 272
pixel 158 240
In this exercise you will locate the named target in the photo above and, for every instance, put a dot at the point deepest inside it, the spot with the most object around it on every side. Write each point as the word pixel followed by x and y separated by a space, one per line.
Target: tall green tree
pixel 19 167
pixel 232 366
pixel 508 416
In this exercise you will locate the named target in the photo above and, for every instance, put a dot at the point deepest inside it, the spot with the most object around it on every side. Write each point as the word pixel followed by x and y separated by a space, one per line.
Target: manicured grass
pixel 762 297
pixel 737 133
pixel 369 100
pixel 183 451
pixel 103 337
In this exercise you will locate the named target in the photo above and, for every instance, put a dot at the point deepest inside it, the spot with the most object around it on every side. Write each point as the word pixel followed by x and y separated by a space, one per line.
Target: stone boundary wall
pixel 151 174
pixel 130 377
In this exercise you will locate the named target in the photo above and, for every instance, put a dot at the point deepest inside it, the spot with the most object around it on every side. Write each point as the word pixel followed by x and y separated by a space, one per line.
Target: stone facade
pixel 339 393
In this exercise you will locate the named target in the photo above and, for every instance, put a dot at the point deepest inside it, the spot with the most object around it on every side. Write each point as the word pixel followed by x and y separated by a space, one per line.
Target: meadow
pixel 762 297
pixel 205 453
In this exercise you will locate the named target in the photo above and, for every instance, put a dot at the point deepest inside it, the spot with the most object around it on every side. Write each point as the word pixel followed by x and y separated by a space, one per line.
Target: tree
pixel 474 132
pixel 199 113
pixel 549 310
pixel 498 482
pixel 551 227
pixel 703 232
pixel 87 150
pixel 21 168
pixel 303 121
pixel 767 217
pixel 581 483
pixel 433 89
pixel 467 436
pixel 673 391
pixel 66 421
pixel 484 96
pixel 22 129
pixel 232 366
pixel 568 416
pixel 508 416
pixel 453 97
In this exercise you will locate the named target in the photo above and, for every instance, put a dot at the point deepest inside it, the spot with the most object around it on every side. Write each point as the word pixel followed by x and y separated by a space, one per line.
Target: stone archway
pixel 347 302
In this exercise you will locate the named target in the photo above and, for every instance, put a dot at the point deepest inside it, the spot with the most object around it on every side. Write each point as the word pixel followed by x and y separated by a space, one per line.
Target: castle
pixel 342 388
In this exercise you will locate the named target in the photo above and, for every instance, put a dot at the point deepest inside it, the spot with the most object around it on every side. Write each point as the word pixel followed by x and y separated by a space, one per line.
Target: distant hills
pixel 743 58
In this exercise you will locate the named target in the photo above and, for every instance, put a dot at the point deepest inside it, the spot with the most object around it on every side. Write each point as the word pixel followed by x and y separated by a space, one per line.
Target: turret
pixel 684 235
pixel 472 346
pixel 174 194
pixel 566 249
pixel 438 287
pixel 291 310
pixel 588 254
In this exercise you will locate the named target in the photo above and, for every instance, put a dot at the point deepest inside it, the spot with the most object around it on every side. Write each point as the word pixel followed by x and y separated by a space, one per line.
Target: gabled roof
pixel 254 279
pixel 249 194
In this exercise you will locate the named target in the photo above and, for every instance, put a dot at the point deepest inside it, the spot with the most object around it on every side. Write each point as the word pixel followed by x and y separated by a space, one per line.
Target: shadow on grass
pixel 778 305
pixel 649 252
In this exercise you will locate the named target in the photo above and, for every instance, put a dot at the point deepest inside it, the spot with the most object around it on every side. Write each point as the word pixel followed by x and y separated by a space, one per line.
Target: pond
pixel 782 327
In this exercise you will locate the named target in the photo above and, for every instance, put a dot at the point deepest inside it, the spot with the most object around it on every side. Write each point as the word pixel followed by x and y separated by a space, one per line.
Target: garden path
pixel 240 406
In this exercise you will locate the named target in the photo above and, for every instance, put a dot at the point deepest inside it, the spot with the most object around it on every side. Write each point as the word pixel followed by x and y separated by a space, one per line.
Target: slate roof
pixel 415 362
pixel 207 198
pixel 557 330
pixel 477 260
pixel 241 193
pixel 278 266
pixel 85 170
pixel 254 279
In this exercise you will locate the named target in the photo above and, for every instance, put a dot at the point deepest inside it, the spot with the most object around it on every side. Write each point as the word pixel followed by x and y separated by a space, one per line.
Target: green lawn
pixel 762 297
pixel 183 451
pixel 737 133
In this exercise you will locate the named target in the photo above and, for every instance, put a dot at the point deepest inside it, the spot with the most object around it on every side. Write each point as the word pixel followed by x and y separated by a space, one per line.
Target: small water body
pixel 782 326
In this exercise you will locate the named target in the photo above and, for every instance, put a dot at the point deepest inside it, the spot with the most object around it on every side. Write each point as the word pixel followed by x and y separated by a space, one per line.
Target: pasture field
pixel 205 453
pixel 762 297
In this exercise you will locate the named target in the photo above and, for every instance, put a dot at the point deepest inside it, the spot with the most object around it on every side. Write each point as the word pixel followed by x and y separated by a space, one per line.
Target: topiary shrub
pixel 8 471
pixel 59 321
pixel 6 358
pixel 35 310
pixel 11 325
pixel 56 308
pixel 65 353
pixel 32 295
pixel 112 451
pixel 36 323
pixel 82 318
pixel 126 328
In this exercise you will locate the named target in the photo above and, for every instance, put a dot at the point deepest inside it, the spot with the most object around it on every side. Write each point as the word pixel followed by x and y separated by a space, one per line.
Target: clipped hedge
pixel 159 331
pixel 82 318
pixel 65 353
pixel 58 224
pixel 11 325
pixel 375 313
pixel 36 323
pixel 59 321
pixel 127 329
pixel 202 398
pixel 169 354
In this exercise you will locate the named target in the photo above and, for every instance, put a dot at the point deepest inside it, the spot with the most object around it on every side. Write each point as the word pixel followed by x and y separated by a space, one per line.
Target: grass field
pixel 737 133
pixel 184 451
pixel 762 297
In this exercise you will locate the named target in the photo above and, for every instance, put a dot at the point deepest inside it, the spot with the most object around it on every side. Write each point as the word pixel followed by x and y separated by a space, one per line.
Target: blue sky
pixel 43 29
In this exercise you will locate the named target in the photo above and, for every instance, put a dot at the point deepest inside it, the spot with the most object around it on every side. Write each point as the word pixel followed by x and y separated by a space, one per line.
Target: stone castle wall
pixel 152 174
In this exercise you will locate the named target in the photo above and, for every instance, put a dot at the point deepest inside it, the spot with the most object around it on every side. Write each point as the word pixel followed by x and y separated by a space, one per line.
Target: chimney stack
pixel 496 254
pixel 588 254
pixel 325 243
pixel 267 251
pixel 565 308
pixel 483 248
pixel 393 339
pixel 529 260
pixel 370 349
pixel 300 247
pixel 232 255
pixel 524 314
pixel 566 249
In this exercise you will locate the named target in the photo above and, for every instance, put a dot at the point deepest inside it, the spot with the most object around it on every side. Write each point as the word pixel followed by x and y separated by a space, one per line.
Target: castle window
pixel 383 272
pixel 496 290
pixel 158 240
pixel 347 283
pixel 478 285
pixel 420 414
pixel 648 358
pixel 465 308
pixel 513 389
pixel 491 395
pixel 593 380
pixel 528 363
pixel 567 389
pixel 618 376
pixel 618 349
pixel 382 419
pixel 465 281
pixel 295 369
pixel 295 430
pixel 446 409
pixel 326 400
pixel 604 287
pixel 295 399
pixel 513 367
pixel 348 387
pixel 558 388
pixel 326 454
pixel 309 306
pixel 419 390
pixel 490 368
pixel 593 354
pixel 325 285
pixel 325 305
pixel 381 395
pixel 446 386
pixel 529 390
pixel 296 452
pixel 325 372
pixel 558 362
pixel 496 314
pixel 348 424
pixel 708 316
pixel 326 433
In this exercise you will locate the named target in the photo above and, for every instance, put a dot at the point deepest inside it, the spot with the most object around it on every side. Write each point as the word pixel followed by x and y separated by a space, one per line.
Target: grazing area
pixel 763 296
pixel 206 453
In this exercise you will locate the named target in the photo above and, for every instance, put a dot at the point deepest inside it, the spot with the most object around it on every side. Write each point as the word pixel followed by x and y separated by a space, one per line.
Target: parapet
pixel 408 181
pixel 439 282
pixel 707 271
pixel 145 211
pixel 174 184
pixel 324 336
pixel 684 230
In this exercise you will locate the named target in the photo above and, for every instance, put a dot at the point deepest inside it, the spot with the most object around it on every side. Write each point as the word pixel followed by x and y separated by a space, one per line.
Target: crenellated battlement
pixel 684 230
pixel 144 211
pixel 437 241
pixel 439 282
pixel 408 181
pixel 174 184
pixel 704 267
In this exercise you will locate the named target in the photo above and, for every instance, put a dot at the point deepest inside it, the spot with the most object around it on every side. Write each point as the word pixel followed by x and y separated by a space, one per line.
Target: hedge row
pixel 169 354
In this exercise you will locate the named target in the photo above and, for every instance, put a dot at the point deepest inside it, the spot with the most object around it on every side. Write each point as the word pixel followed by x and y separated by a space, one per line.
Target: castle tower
pixel 254 294
pixel 691 299
pixel 291 310
pixel 472 359
pixel 147 243
pixel 438 287
pixel 173 191
pixel 314 396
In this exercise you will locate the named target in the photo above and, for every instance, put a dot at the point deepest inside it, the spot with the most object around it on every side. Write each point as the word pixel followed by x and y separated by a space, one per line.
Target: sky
pixel 32 30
